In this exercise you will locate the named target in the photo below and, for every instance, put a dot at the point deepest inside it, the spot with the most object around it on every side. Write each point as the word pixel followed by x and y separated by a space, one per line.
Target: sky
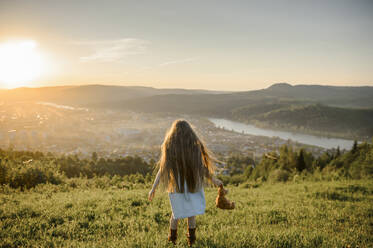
pixel 194 44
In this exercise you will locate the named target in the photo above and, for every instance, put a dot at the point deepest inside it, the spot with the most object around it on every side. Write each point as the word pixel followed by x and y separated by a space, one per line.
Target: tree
pixel 338 152
pixel 300 164
pixel 3 172
pixel 94 156
pixel 354 147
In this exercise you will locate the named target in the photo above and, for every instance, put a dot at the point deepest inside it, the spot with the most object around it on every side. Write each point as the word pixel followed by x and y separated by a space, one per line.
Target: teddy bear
pixel 221 201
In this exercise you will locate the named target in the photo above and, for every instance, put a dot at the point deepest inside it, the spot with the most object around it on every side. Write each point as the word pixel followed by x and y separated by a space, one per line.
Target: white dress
pixel 187 204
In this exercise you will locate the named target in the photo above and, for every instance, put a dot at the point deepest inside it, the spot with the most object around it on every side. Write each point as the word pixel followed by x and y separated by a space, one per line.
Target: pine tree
pixel 300 164
pixel 94 156
pixel 354 147
pixel 338 152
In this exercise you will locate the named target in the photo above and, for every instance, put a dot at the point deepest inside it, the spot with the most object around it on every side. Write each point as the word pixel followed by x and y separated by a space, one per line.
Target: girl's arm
pixel 216 181
pixel 155 185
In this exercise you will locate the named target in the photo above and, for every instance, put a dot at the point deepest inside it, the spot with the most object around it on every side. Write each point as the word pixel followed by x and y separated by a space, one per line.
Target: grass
pixel 305 214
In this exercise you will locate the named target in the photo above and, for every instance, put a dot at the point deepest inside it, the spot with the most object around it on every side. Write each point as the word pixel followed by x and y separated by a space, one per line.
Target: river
pixel 298 137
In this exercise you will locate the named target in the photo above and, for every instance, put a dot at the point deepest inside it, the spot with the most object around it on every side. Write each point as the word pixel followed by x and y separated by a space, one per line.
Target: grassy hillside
pixel 290 199
pixel 318 214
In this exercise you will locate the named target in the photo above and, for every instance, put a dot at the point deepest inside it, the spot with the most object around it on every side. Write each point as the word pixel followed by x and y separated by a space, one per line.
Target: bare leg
pixel 172 236
pixel 191 230
pixel 192 222
pixel 173 223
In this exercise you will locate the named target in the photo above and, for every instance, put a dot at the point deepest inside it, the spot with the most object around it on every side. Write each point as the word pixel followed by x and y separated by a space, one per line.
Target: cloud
pixel 167 63
pixel 113 50
pixel 180 61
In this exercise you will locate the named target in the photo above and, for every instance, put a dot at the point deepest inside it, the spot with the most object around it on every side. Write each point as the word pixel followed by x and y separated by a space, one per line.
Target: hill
pixel 351 97
pixel 322 110
pixel 344 111
pixel 87 95
pixel 309 214
pixel 354 97
pixel 310 118
pixel 65 201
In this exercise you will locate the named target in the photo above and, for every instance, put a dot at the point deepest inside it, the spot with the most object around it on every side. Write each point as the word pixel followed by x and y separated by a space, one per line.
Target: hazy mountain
pixel 309 108
pixel 354 97
pixel 101 95
pixel 327 110
pixel 90 94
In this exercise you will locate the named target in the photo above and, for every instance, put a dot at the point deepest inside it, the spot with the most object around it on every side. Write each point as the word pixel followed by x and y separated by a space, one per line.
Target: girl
pixel 184 165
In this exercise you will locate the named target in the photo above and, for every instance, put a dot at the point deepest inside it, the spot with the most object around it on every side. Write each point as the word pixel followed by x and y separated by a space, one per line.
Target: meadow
pixel 292 214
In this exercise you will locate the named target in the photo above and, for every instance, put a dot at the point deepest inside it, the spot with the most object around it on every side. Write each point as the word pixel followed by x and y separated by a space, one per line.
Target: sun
pixel 20 63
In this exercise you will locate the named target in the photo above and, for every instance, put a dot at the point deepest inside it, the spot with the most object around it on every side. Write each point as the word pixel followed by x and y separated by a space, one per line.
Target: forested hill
pixel 326 110
pixel 310 118
pixel 351 97
pixel 323 110
pixel 328 95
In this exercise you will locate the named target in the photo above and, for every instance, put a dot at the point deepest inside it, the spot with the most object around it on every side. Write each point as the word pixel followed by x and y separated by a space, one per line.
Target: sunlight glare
pixel 20 62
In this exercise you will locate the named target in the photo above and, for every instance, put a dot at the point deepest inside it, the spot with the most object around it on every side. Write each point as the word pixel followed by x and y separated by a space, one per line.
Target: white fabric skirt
pixel 187 204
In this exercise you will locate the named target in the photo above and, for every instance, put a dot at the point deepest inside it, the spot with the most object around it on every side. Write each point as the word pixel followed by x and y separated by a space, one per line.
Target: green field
pixel 305 214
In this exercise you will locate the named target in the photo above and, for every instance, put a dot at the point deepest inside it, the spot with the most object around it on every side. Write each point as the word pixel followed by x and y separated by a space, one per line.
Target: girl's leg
pixel 172 236
pixel 192 222
pixel 173 223
pixel 191 230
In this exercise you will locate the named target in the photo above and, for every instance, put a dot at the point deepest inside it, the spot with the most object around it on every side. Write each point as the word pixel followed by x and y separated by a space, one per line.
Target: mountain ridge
pixel 258 106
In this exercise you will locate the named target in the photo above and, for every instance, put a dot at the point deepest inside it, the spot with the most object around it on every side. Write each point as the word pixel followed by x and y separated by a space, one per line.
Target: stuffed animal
pixel 221 201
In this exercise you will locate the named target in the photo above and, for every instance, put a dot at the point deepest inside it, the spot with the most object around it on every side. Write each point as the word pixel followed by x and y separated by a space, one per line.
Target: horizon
pixel 210 45
pixel 171 88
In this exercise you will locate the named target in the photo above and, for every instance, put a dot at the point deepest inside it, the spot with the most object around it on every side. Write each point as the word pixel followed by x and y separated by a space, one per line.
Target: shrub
pixel 279 175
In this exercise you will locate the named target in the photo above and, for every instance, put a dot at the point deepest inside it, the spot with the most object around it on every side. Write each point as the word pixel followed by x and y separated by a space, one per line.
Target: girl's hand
pixel 151 194
pixel 218 183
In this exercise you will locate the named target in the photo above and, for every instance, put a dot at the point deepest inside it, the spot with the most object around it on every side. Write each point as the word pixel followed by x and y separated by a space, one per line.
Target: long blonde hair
pixel 184 158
